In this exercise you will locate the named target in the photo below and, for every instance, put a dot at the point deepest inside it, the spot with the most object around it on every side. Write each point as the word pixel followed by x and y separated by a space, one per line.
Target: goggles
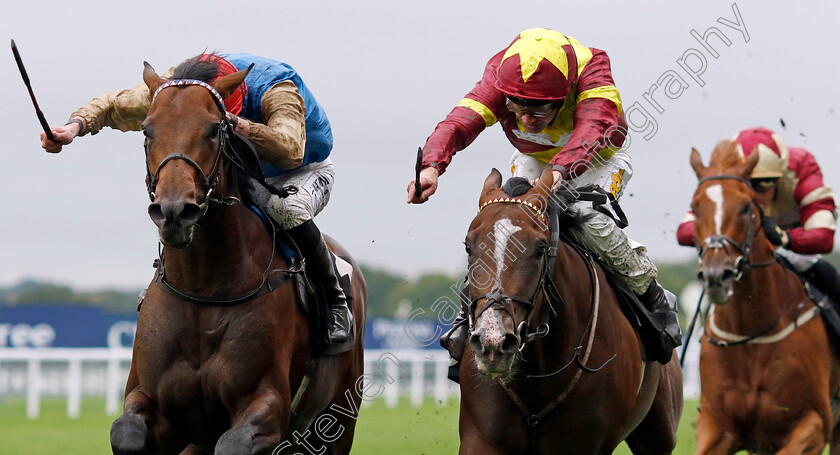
pixel 764 184
pixel 534 108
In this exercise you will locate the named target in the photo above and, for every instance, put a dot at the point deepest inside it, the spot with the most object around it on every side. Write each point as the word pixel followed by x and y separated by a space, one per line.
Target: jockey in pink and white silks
pixel 558 106
pixel 289 129
pixel 799 209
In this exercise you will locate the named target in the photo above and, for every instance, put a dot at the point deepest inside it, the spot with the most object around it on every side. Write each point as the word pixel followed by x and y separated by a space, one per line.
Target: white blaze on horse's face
pixel 715 194
pixel 503 230
pixel 491 320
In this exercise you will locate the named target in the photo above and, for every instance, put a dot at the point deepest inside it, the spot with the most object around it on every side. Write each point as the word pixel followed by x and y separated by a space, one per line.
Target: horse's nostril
pixel 477 340
pixel 728 275
pixel 190 214
pixel 510 344
pixel 156 214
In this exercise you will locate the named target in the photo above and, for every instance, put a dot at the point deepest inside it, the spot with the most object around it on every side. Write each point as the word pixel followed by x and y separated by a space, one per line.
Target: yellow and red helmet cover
pixel 537 65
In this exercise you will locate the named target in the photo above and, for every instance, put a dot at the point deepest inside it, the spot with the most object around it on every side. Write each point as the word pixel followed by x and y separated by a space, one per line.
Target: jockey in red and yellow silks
pixel 557 104
pixel 582 127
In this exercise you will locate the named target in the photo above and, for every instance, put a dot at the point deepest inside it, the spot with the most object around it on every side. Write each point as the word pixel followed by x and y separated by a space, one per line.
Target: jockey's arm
pixel 686 235
pixel 817 217
pixel 123 110
pixel 282 139
pixel 478 110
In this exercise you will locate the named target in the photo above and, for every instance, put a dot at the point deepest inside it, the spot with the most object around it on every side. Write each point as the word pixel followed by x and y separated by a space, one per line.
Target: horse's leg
pixel 807 438
pixel 657 433
pixel 257 429
pixel 712 438
pixel 132 433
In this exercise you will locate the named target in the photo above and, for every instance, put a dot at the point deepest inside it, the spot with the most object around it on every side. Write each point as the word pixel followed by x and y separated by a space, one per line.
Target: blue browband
pixel 184 82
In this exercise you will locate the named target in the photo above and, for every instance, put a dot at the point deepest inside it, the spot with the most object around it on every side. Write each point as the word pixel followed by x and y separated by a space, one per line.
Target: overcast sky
pixel 386 73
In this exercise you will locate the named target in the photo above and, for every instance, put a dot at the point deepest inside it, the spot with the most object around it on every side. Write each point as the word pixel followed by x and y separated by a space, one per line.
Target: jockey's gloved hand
pixel 776 235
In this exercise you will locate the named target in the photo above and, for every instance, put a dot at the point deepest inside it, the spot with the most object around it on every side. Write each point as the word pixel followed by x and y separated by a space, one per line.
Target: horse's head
pixel 727 218
pixel 185 144
pixel 507 244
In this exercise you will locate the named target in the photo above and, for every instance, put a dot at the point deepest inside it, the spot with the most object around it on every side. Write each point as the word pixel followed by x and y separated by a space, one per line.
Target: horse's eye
pixel 467 249
pixel 214 131
pixel 746 209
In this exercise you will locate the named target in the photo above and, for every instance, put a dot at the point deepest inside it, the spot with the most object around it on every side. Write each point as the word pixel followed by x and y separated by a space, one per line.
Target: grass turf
pixel 428 430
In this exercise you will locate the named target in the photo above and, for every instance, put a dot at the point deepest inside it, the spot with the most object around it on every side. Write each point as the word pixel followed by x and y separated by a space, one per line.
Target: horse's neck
pixel 572 279
pixel 229 252
pixel 762 296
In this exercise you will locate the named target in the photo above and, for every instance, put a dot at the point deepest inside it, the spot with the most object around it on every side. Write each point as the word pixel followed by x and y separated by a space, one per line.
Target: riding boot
pixel 455 339
pixel 662 305
pixel 318 258
pixel 823 276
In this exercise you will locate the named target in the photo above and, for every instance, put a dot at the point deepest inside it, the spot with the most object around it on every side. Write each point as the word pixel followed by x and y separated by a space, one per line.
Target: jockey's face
pixel 765 190
pixel 534 118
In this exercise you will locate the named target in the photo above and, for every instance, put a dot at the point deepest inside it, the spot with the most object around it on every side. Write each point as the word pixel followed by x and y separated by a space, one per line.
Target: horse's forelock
pixel 199 67
pixel 726 156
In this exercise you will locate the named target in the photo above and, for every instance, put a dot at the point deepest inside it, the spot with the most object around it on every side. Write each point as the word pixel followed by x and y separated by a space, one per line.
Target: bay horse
pixel 552 365
pixel 767 372
pixel 222 347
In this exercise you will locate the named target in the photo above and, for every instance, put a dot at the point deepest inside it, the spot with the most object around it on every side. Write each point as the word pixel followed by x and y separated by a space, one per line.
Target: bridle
pixel 211 179
pixel 718 241
pixel 545 287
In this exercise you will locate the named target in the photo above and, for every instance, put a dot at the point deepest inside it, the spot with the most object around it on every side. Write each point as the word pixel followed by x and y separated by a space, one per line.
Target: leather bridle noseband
pixel 718 241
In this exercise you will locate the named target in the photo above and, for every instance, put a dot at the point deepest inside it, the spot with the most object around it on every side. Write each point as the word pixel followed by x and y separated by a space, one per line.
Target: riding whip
pixel 691 327
pixel 418 189
pixel 41 118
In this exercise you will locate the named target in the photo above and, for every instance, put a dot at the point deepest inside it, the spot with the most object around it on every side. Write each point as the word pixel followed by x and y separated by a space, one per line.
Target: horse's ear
pixel 697 162
pixel 226 85
pixel 749 163
pixel 492 182
pixel 151 78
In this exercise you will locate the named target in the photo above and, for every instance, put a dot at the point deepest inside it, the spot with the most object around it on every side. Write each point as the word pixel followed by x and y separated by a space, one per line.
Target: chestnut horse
pixel 222 345
pixel 552 365
pixel 766 368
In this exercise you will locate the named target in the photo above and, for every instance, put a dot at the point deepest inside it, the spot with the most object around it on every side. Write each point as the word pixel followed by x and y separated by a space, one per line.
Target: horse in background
pixel 223 351
pixel 767 372
pixel 553 365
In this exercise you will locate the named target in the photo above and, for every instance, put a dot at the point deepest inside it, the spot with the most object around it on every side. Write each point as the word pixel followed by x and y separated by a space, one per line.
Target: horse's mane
pixel 569 217
pixel 198 67
pixel 726 155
